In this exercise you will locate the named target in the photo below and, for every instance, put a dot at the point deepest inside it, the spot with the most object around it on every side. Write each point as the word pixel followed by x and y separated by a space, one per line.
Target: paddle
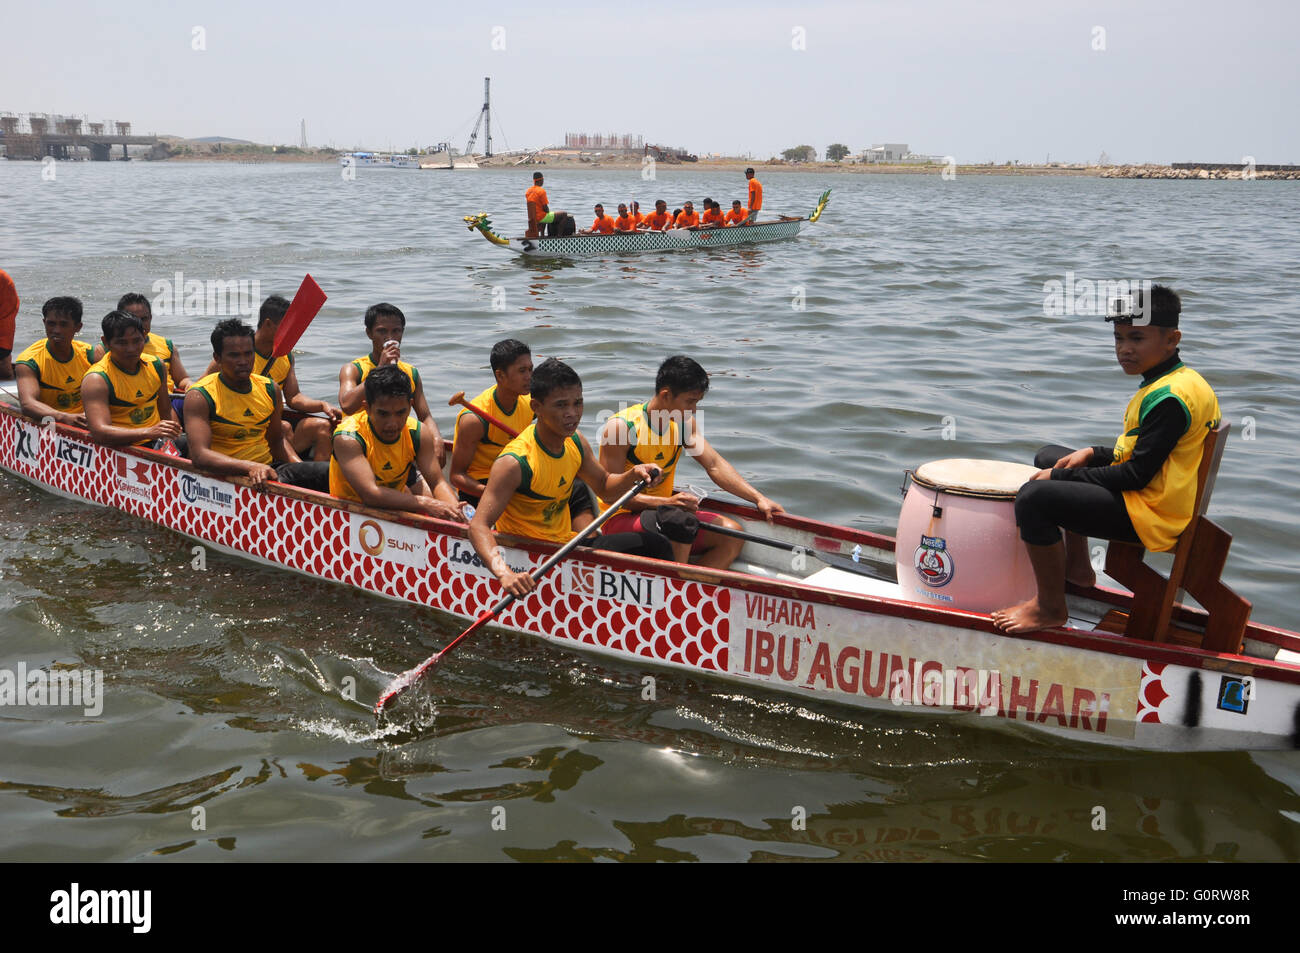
pixel 411 676
pixel 837 560
pixel 459 398
pixel 306 305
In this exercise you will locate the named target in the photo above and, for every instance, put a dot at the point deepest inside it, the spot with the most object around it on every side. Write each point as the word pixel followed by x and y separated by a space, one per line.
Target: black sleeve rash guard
pixel 1162 428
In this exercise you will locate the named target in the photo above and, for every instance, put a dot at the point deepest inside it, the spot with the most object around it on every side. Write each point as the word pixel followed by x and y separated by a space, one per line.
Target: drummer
pixel 656 432
pixel 1142 490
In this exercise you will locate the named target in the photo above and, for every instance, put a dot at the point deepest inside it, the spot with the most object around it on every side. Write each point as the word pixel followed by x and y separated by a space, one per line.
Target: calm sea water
pixel 908 326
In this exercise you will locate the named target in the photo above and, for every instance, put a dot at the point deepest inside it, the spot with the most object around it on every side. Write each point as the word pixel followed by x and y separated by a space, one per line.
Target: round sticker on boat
pixel 933 562
pixel 371 537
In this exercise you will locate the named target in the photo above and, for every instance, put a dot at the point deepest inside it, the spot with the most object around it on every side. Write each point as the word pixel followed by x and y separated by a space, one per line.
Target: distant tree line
pixel 834 153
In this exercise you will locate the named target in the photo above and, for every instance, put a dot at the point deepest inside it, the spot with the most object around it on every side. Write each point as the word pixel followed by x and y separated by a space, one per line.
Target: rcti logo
pixel 933 562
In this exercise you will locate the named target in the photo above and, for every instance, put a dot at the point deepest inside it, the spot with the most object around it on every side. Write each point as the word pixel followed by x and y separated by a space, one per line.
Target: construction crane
pixel 484 122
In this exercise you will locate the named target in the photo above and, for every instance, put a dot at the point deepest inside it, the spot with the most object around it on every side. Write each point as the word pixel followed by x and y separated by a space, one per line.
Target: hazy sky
pixel 979 81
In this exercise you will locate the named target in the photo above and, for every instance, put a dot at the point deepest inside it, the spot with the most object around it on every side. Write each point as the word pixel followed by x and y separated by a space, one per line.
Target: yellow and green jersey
pixel 133 398
pixel 239 418
pixel 655 438
pixel 277 369
pixel 494 438
pixel 1161 510
pixel 161 348
pixel 366 364
pixel 59 381
pixel 391 463
pixel 540 507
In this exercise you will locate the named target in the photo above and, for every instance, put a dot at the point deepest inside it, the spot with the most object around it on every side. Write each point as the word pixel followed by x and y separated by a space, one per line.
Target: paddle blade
pixel 305 306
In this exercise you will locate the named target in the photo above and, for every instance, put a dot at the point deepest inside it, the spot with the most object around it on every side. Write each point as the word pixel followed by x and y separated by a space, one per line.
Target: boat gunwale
pixel 1090 640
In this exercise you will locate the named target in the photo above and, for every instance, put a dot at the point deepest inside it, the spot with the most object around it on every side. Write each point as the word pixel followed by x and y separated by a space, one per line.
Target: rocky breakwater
pixel 1197 172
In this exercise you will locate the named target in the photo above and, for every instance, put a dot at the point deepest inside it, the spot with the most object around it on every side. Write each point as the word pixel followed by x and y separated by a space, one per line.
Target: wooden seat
pixel 1199 556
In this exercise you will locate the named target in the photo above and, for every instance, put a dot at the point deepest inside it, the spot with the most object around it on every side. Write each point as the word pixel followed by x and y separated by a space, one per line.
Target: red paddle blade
pixel 306 304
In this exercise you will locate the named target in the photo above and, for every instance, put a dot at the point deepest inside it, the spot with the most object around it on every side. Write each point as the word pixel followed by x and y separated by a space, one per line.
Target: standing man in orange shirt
pixel 539 209
pixel 603 225
pixel 8 319
pixel 755 194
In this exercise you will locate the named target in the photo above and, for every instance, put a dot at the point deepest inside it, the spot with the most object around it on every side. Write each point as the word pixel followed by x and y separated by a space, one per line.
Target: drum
pixel 958 546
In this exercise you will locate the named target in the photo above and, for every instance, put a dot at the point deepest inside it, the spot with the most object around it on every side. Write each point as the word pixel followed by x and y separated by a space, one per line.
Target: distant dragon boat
pixel 581 246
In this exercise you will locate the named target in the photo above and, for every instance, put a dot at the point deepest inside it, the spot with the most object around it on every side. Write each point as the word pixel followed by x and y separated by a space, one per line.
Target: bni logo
pixel 597 582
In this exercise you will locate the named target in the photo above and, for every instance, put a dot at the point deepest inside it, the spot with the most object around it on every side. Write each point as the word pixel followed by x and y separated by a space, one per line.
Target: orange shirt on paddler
pixel 755 195
pixel 537 201
pixel 658 220
pixel 711 217
pixel 603 225
pixel 638 217
pixel 737 215
pixel 686 219
pixel 625 223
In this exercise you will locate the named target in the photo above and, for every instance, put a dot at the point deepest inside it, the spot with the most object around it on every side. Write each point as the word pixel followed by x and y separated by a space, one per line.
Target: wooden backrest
pixel 1211 454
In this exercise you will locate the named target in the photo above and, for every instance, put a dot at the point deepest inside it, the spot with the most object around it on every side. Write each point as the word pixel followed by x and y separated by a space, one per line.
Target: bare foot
pixel 1029 617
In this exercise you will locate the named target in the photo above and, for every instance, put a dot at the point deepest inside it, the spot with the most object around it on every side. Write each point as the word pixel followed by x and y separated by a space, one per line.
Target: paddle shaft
pixel 410 677
pixel 459 398
pixel 838 560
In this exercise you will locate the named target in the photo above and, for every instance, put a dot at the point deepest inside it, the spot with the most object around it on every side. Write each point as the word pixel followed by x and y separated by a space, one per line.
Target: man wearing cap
pixel 1142 490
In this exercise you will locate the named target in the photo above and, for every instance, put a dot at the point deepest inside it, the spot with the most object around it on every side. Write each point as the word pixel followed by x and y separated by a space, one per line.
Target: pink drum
pixel 958 546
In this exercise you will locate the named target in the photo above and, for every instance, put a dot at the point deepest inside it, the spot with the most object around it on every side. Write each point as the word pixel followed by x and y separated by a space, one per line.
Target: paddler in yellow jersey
pixel 660 432
pixel 124 394
pixel 530 483
pixel 477 443
pixel 232 419
pixel 311 437
pixel 50 371
pixel 157 346
pixel 1143 489
pixel 376 449
pixel 385 325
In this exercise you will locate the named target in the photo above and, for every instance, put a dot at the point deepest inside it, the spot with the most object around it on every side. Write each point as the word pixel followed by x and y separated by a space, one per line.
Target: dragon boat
pixel 821 612
pixel 583 246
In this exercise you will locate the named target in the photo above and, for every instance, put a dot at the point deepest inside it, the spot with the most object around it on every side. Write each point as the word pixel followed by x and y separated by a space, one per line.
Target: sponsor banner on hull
pixel 133 477
pixel 391 542
pixel 461 557
pixel 74 453
pixel 27 445
pixel 826 649
pixel 599 582
pixel 210 496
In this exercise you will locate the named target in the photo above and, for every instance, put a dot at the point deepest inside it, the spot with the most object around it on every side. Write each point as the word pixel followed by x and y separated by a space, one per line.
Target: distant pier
pixel 37 135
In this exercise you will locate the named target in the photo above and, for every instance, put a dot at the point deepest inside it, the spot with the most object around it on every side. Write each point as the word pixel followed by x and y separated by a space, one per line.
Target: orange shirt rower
pixel 686 217
pixel 755 194
pixel 8 320
pixel 635 214
pixel 603 225
pixel 737 213
pixel 712 214
pixel 625 222
pixel 659 219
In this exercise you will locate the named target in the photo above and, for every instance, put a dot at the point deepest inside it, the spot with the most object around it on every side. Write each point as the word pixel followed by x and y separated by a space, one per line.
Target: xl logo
pixel 27 444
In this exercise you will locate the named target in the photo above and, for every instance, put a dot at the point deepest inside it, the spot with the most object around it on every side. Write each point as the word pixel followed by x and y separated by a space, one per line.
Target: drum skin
pixel 970 556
